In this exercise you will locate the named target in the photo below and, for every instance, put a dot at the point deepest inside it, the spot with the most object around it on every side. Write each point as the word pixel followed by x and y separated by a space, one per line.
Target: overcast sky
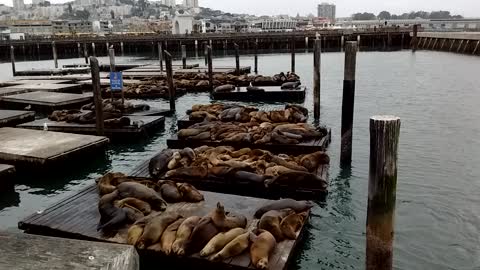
pixel 467 8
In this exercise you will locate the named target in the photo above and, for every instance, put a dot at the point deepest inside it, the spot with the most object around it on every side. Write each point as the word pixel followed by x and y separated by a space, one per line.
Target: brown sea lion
pixel 297 206
pixel 271 220
pixel 183 234
pixel 188 152
pixel 189 132
pixel 169 191
pixel 241 152
pixel 107 183
pixel 169 235
pixel 225 223
pixel 190 193
pixel 278 116
pixel 142 206
pixel 291 224
pixel 141 192
pixel 154 229
pixel 191 172
pixel 236 247
pixel 224 88
pixel 158 164
pixel 220 240
pixel 174 162
pixel 134 234
pixel 277 170
pixel 111 217
pixel 201 234
pixel 243 176
pixel 297 179
pixel 262 247
pixel 290 165
pixel 311 161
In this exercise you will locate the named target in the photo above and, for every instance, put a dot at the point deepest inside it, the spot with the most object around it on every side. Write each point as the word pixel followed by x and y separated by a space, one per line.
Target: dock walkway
pixel 11 118
pixel 46 101
pixel 269 93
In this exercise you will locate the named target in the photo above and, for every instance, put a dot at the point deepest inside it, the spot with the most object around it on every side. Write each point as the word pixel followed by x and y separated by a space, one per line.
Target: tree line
pixel 385 15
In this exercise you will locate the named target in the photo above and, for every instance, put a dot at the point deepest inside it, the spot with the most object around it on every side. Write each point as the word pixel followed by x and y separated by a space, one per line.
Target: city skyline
pixel 345 8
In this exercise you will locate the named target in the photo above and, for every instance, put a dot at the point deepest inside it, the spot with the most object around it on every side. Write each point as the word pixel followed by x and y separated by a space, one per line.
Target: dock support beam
pixel 348 102
pixel 316 78
pixel 255 60
pixel 160 56
pixel 54 52
pixel 443 43
pixel 38 51
pixel 12 59
pixel 382 184
pixel 414 38
pixel 460 46
pixel 184 56
pixel 93 50
pixel 122 49
pixel 210 68
pixel 476 47
pixel 342 43
pixel 79 50
pixel 171 86
pixel 237 59
pixel 306 44
pixel 293 55
pixel 196 48
pixel 85 52
pixel 434 44
pixel 97 95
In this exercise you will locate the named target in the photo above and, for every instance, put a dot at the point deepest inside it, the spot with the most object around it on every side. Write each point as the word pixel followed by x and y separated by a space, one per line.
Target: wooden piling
pixel 429 42
pixel 160 55
pixel 460 46
pixel 237 59
pixel 12 59
pixel 107 47
pixel 451 45
pixel 342 43
pixel 414 38
pixel 171 86
pixel 255 64
pixel 122 49
pixel 358 43
pixel 93 50
pixel 38 50
pixel 348 102
pixel 403 41
pixel 184 56
pixel 54 52
pixel 85 52
pixel 111 55
pixel 443 43
pixel 196 48
pixel 434 44
pixel 382 183
pixel 97 95
pixel 79 50
pixel 316 78
pixel 292 48
pixel 210 68
pixel 306 44
pixel 476 47
pixel 205 52
pixel 466 46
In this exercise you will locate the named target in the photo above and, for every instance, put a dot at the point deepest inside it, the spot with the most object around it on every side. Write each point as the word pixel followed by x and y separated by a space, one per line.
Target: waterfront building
pixel 327 10
pixel 18 5
pixel 190 3
pixel 182 22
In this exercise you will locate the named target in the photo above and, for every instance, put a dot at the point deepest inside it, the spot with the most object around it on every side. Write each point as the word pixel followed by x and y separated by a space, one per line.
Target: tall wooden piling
pixel 382 184
pixel 460 46
pixel 196 48
pixel 107 47
pixel 79 50
pixel 184 56
pixel 292 48
pixel 12 59
pixel 306 44
pixel 97 95
pixel 358 43
pixel 111 55
pixel 38 51
pixel 160 55
pixel 414 38
pixel 171 86
pixel 348 101
pixel 316 78
pixel 255 60
pixel 205 52
pixel 85 52
pixel 122 49
pixel 237 59
pixel 94 53
pixel 342 43
pixel 54 52
pixel 210 68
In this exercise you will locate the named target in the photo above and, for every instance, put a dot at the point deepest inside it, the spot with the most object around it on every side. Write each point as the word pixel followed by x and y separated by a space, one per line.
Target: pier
pixel 459 42
pixel 45 101
pixel 11 118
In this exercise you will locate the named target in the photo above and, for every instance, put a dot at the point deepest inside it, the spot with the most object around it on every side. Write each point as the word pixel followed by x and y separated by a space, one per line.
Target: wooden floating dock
pixel 41 86
pixel 61 71
pixel 77 217
pixel 11 118
pixel 7 173
pixel 24 252
pixel 17 82
pixel 146 125
pixel 37 150
pixel 74 77
pixel 271 93
pixel 215 70
pixel 45 101
pixel 148 95
pixel 106 82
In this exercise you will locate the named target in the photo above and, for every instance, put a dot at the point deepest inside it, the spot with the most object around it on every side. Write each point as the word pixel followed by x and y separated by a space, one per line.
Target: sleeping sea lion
pixel 191 172
pixel 311 161
pixel 220 240
pixel 278 116
pixel 154 229
pixel 277 170
pixel 158 164
pixel 200 137
pixel 142 206
pixel 271 220
pixel 201 234
pixel 297 206
pixel 290 85
pixel 244 176
pixel 189 132
pixel 225 223
pixel 238 245
pixel 169 235
pixel 190 193
pixel 262 247
pixel 224 88
pixel 188 152
pixel 169 191
pixel 291 224
pixel 298 179
pixel 134 234
pixel 141 192
pixel 172 164
pixel 106 184
pixel 111 216
pixel 241 152
pixel 183 234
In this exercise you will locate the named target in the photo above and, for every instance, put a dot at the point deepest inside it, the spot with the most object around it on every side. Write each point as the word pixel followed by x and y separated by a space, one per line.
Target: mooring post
pixel 348 101
pixel 108 47
pixel 382 185
pixel 293 55
pixel 476 47
pixel 237 59
pixel 160 56
pixel 255 59
pixel 342 43
pixel 316 78
pixel 54 51
pixel 414 38
pixel 171 86
pixel 97 95
pixel 205 52
pixel 184 56
pixel 94 53
pixel 403 41
pixel 210 68
pixel 79 50
pixel 111 55
pixel 38 50
pixel 12 59
pixel 85 52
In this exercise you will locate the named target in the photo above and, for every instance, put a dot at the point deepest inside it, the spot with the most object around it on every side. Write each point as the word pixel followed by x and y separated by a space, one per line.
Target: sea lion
pixel 111 217
pixel 243 176
pixel 298 179
pixel 134 234
pixel 311 161
pixel 190 193
pixel 189 132
pixel 106 184
pixel 277 170
pixel 201 234
pixel 157 247
pixel 290 85
pixel 142 206
pixel 297 206
pixel 291 224
pixel 200 137
pixel 225 223
pixel 278 116
pixel 262 247
pixel 234 248
pixel 169 191
pixel 241 152
pixel 141 192
pixel 172 164
pixel 270 221
pixel 191 172
pixel 183 234
pixel 188 152
pixel 220 240
pixel 158 164
pixel 290 165
pixel 155 227
pixel 169 235
pixel 224 88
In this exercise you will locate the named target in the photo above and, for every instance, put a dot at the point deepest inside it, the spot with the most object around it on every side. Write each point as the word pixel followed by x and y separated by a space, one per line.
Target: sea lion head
pixel 220 209
pixel 262 263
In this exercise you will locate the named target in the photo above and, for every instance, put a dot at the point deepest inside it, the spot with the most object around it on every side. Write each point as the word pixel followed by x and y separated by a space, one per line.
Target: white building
pixel 275 25
pixel 182 22
pixel 169 3
pixel 326 10
pixel 18 5
pixel 37 2
pixel 190 3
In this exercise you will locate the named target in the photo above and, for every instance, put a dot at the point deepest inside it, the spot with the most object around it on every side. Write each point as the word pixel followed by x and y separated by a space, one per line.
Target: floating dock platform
pixel 215 70
pixel 7 174
pixel 106 82
pixel 11 118
pixel 58 71
pixel 47 87
pixel 24 252
pixel 37 150
pixel 17 82
pixel 270 93
pixel 73 77
pixel 77 217
pixel 45 101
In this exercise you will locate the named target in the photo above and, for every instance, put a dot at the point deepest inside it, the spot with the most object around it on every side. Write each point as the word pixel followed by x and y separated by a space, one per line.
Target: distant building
pixel 190 3
pixel 169 3
pixel 18 5
pixel 326 10
pixel 74 26
pixel 182 23
pixel 276 25
pixel 37 2
pixel 32 28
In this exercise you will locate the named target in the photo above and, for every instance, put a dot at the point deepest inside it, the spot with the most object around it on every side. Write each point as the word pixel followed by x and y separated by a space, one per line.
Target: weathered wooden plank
pixel 24 251
pixel 106 82
pixel 46 101
pixel 271 93
pixel 17 82
pixel 11 118
pixel 48 87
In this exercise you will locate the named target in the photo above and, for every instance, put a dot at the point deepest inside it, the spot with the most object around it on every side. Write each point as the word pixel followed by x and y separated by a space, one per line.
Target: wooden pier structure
pixel 11 118
pixel 45 101
pixel 459 42
pixel 45 87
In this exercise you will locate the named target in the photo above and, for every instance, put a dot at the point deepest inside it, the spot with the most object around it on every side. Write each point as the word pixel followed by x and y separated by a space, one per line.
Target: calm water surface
pixel 436 95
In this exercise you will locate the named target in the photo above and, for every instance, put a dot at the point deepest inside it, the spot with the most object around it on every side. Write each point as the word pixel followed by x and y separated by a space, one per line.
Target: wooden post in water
pixel 160 55
pixel 210 68
pixel 121 48
pixel 348 102
pixel 255 60
pixel 316 78
pixel 414 38
pixel 111 55
pixel 38 50
pixel 93 50
pixel 12 59
pixel 196 48
pixel 54 51
pixel 358 43
pixel 237 59
pixel 382 185
pixel 108 47
pixel 205 52
pixel 184 56
pixel 79 50
pixel 171 86
pixel 293 55
pixel 85 52
pixel 460 46
pixel 97 95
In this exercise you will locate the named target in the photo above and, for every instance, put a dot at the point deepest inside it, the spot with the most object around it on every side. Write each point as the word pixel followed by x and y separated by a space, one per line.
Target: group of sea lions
pixel 116 106
pixel 245 165
pixel 124 200
pixel 111 119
